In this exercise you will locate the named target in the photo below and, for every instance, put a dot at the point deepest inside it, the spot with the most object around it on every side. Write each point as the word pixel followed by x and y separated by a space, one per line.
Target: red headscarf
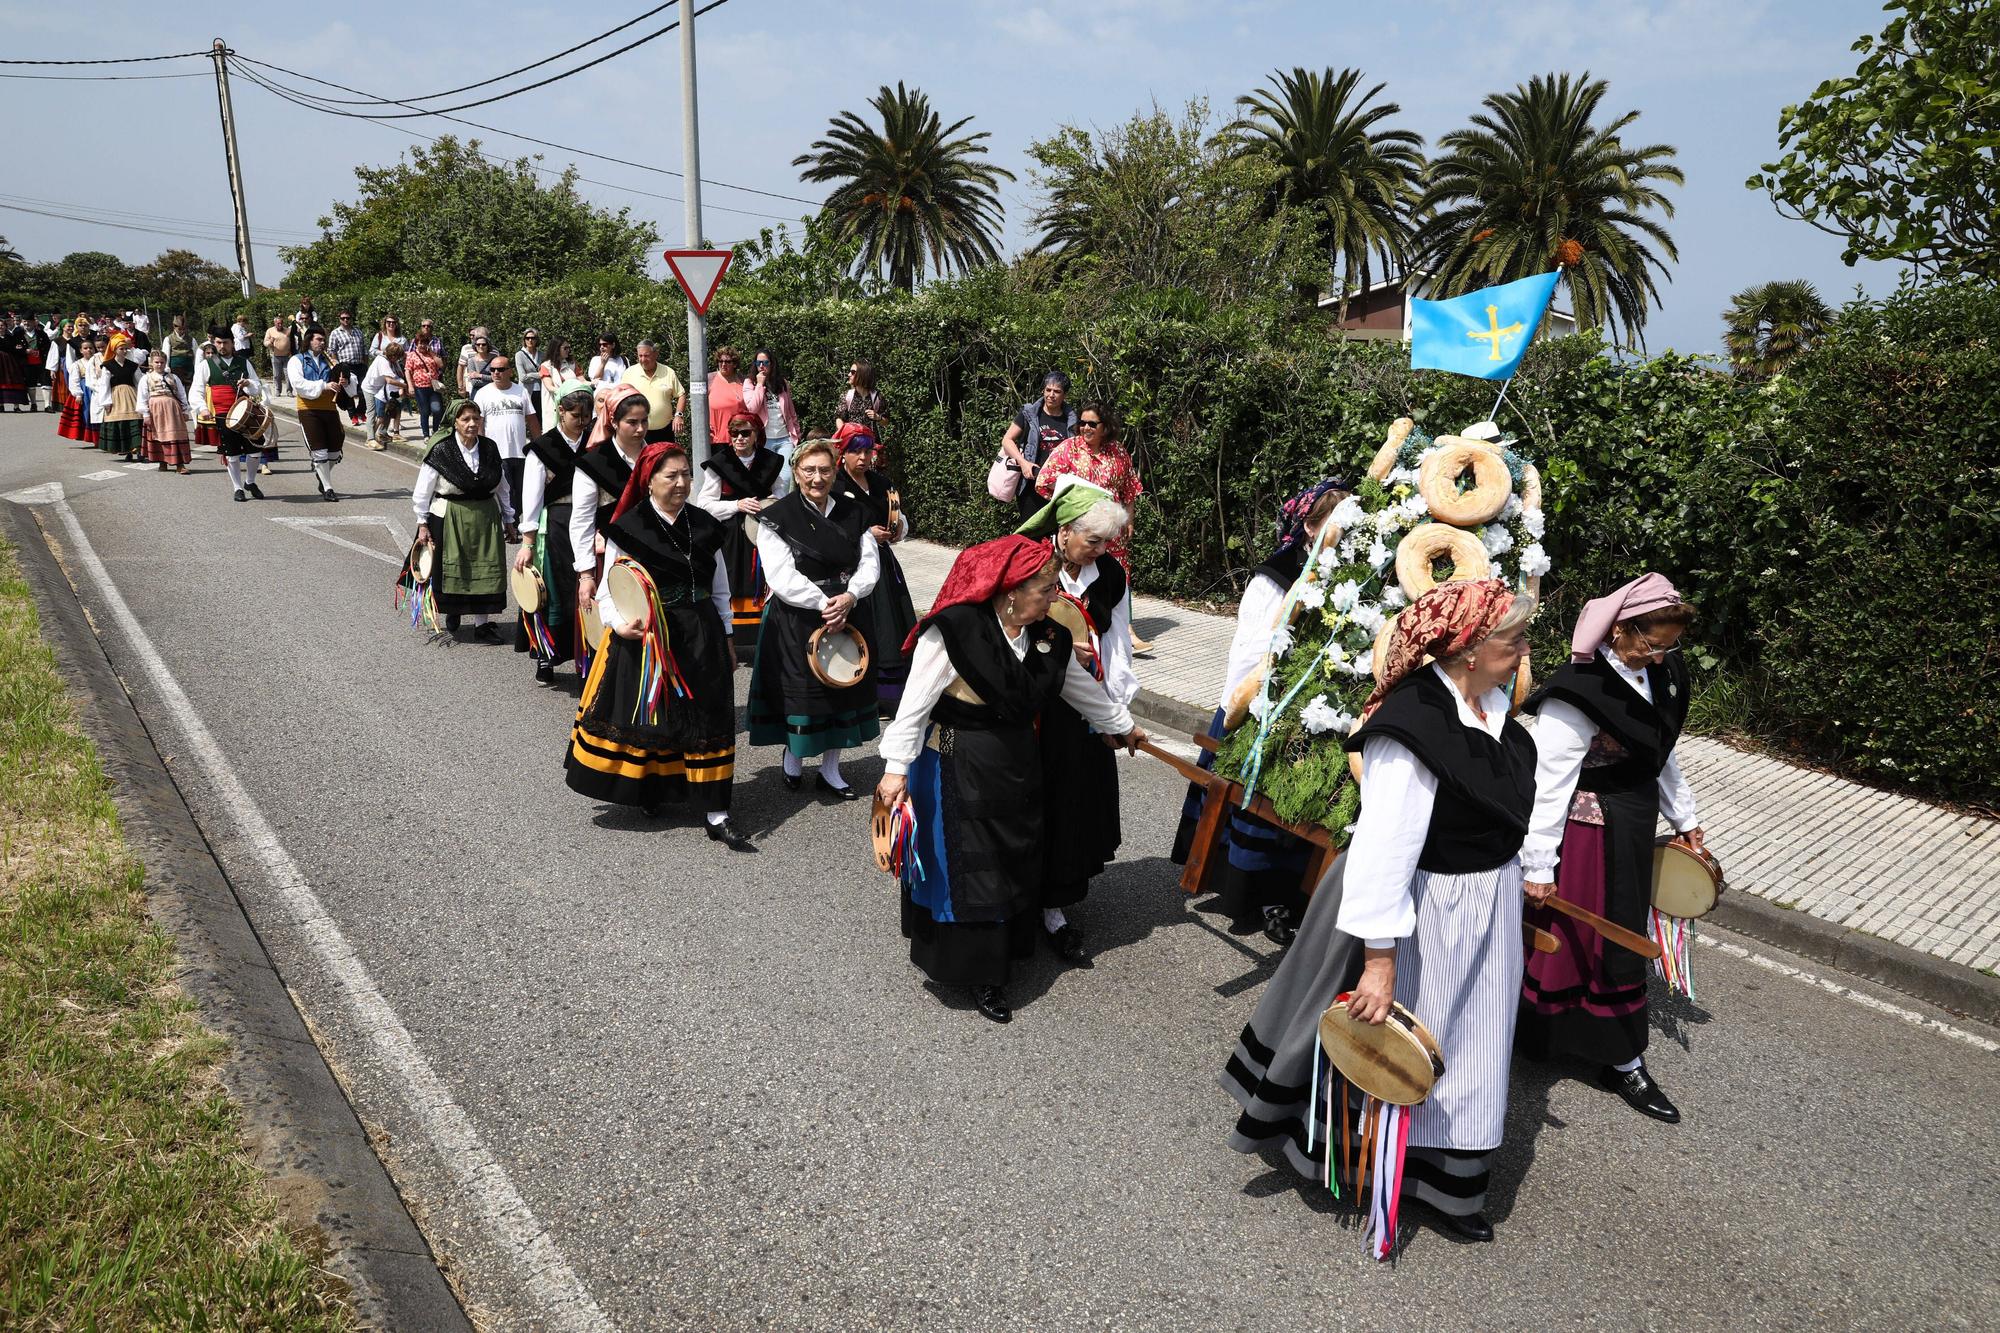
pixel 608 403
pixel 849 431
pixel 983 572
pixel 1445 620
pixel 640 482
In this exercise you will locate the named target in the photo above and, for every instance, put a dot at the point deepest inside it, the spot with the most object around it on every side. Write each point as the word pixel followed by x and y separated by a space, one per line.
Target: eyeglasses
pixel 742 434
pixel 1653 649
pixel 726 361
pixel 480 342
pixel 1090 425
pixel 854 370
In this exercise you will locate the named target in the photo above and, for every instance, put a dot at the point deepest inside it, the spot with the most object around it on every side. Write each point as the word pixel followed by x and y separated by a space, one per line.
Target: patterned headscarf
pixel 617 396
pixel 983 572
pixel 1292 514
pixel 1074 498
pixel 1447 619
pixel 1648 592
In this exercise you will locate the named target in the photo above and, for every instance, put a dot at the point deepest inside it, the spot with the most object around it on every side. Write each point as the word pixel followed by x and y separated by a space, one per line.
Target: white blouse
pixel 709 493
pixel 583 500
pixel 1397 793
pixel 931 673
pixel 1254 615
pixel 718 591
pixel 781 570
pixel 1562 738
pixel 428 480
pixel 535 486
pixel 1120 681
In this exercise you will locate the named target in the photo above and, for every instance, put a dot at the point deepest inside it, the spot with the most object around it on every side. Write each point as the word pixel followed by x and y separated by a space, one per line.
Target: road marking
pixel 139 467
pixel 108 475
pixel 481 1180
pixel 1910 1016
pixel 315 526
pixel 47 493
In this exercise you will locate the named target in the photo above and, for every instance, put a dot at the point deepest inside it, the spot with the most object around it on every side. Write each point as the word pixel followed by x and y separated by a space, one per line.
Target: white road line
pixel 107 475
pixel 483 1184
pixel 1910 1016
pixel 316 526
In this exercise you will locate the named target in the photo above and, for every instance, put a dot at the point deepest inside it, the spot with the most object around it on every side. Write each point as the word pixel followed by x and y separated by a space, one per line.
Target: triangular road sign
pixel 699 272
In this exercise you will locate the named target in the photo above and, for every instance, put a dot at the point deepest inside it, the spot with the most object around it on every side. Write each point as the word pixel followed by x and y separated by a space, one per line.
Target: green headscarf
pixel 450 427
pixel 1073 499
pixel 568 387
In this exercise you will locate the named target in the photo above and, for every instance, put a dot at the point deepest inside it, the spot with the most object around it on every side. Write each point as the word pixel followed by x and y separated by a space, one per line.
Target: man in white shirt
pixel 507 408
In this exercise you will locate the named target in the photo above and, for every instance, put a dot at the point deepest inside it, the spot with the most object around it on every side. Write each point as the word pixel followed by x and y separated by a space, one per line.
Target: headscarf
pixel 854 437
pixel 602 429
pixel 1447 619
pixel 638 486
pixel 1073 499
pixel 449 430
pixel 570 386
pixel 1292 513
pixel 1648 592
pixel 983 572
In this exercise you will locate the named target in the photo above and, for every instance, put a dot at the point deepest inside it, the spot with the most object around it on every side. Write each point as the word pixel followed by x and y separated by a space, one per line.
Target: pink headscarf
pixel 1648 592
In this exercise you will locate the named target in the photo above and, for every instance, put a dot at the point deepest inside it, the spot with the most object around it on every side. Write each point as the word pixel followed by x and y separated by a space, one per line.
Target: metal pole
pixel 697 384
pixel 244 264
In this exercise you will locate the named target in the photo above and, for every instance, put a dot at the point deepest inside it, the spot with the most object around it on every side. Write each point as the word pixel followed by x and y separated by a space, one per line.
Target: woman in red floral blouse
pixel 1094 455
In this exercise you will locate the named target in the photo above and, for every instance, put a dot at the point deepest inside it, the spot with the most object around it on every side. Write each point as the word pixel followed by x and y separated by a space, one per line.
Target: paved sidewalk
pixel 1852 856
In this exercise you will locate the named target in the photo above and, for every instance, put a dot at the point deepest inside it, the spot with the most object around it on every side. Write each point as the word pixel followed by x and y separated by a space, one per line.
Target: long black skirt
pixel 550 639
pixel 1262 866
pixel 747 589
pixel 620 754
pixel 1080 790
pixel 890 616
pixel 788 704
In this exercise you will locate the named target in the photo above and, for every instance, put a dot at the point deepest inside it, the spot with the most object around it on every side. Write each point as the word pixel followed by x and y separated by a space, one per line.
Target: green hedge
pixel 1836 527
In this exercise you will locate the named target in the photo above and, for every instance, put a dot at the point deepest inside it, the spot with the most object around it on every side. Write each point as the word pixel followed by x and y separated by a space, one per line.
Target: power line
pixel 115 60
pixel 156 217
pixel 103 78
pixel 179 234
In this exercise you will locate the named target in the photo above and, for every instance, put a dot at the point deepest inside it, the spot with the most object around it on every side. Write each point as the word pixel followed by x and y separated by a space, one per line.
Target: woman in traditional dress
pixel 16 343
pixel 658 721
pixel 78 366
pixel 219 379
pixel 316 394
pixel 1424 907
pixel 617 439
pixel 736 483
pixel 1082 832
pixel 1605 774
pixel 888 611
pixel 463 509
pixel 165 405
pixel 546 509
pixel 984 665
pixel 820 561
pixel 1258 883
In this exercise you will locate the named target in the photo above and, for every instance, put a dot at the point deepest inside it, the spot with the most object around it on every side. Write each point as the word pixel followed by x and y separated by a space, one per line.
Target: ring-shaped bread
pixel 1425 544
pixel 1437 482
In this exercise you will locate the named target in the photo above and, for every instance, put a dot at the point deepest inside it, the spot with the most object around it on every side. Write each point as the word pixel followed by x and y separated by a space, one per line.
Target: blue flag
pixel 1482 333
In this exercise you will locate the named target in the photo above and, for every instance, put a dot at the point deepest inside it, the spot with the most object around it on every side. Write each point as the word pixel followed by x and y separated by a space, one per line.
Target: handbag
pixel 1003 479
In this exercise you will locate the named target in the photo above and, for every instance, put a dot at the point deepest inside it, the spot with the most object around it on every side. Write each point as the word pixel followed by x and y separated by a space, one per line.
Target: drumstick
pixel 1610 930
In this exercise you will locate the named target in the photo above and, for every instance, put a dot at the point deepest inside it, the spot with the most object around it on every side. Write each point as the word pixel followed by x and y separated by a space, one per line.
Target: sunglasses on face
pixel 742 434
pixel 1089 425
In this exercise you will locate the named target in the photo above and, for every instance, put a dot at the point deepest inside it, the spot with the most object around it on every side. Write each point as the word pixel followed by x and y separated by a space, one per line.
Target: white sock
pixel 238 472
pixel 1053 919
pixel 717 816
pixel 479 620
pixel 325 471
pixel 829 768
pixel 792 765
pixel 1630 1065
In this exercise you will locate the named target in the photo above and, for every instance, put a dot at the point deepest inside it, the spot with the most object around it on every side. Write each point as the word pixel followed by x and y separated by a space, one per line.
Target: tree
pixel 451 213
pixel 9 256
pixel 914 193
pixel 1769 324
pixel 1534 184
pixel 815 266
pixel 1162 205
pixel 1356 181
pixel 182 281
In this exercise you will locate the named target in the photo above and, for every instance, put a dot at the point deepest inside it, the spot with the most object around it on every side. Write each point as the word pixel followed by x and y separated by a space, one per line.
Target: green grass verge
pixel 126 1198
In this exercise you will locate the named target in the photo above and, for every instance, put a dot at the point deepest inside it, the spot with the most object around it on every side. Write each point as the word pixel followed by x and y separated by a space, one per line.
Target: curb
pixel 357 436
pixel 320 1165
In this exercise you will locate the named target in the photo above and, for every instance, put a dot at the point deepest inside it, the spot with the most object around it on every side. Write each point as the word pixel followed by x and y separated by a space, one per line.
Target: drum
pixel 838 659
pixel 631 590
pixel 1687 880
pixel 249 418
pixel 529 594
pixel 751 527
pixel 1396 1061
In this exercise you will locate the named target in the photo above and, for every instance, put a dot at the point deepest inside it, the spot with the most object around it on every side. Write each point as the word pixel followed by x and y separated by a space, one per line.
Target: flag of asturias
pixel 1482 333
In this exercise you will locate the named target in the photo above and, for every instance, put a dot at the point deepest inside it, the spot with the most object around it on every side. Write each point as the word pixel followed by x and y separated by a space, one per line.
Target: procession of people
pixel 999 710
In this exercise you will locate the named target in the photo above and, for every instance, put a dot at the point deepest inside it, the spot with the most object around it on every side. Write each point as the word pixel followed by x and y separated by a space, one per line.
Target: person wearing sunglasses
pixel 736 483
pixel 768 395
pixel 1605 775
pixel 475 361
pixel 862 402
pixel 1094 454
pixel 606 365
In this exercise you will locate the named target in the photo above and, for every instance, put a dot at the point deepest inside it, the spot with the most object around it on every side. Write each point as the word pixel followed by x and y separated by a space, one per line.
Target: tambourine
pixel 1070 612
pixel 631 591
pixel 593 624
pixel 1396 1061
pixel 883 828
pixel 423 559
pixel 839 659
pixel 1687 880
pixel 529 593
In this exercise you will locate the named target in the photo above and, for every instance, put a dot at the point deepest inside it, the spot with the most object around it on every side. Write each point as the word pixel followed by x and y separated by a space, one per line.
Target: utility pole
pixel 244 264
pixel 697 384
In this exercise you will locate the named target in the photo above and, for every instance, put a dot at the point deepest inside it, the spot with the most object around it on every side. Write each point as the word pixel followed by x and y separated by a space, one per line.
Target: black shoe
pixel 1643 1095
pixel 331 498
pixel 486 634
pixel 654 811
pixel 255 493
pixel 545 674
pixel 735 839
pixel 241 498
pixel 992 1002
pixel 1472 1226
pixel 1067 943
pixel 1278 926
pixel 844 793
pixel 792 781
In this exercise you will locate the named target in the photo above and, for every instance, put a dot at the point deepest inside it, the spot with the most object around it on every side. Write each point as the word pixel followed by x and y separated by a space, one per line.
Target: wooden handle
pixel 1199 776
pixel 1610 930
pixel 1542 941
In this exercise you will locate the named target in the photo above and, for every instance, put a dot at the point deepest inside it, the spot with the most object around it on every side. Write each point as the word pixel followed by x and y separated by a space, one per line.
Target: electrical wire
pixel 114 60
pixel 104 78
pixel 179 234
pixel 280 233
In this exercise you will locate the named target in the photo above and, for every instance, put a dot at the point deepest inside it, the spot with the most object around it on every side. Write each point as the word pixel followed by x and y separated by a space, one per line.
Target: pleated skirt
pixel 620 754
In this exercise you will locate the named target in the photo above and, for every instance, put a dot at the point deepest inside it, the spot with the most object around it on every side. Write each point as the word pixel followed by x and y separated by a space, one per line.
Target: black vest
pixel 680 558
pixel 1011 692
pixel 606 467
pixel 1104 594
pixel 1646 732
pixel 473 484
pixel 1486 787
pixel 826 547
pixel 746 483
pixel 559 461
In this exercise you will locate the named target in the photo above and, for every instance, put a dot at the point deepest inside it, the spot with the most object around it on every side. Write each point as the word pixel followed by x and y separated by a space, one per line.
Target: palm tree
pixel 913 192
pixel 1769 324
pixel 1533 184
pixel 1357 182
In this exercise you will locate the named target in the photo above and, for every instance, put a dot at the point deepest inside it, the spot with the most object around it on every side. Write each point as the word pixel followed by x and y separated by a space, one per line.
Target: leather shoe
pixel 1643 1095
pixel 241 498
pixel 792 781
pixel 1278 926
pixel 486 634
pixel 1472 1226
pixel 256 492
pixel 1067 942
pixel 735 839
pixel 545 674
pixel 992 1002
pixel 844 793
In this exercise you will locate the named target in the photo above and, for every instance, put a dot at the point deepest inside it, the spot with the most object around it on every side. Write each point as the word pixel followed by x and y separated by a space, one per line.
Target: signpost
pixel 699 272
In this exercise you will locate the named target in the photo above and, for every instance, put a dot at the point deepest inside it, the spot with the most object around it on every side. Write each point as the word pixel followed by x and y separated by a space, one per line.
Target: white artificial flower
pixel 1312 596
pixel 1413 506
pixel 1402 476
pixel 1362 666
pixel 1281 640
pixel 1350 546
pixel 1512 507
pixel 1533 522
pixel 1368 619
pixel 1336 654
pixel 1260 706
pixel 1347 513
pixel 1393 598
pixel 1496 539
pixel 1385 518
pixel 1534 560
pixel 1328 558
pixel 1378 554
pixel 1319 715
pixel 1346 596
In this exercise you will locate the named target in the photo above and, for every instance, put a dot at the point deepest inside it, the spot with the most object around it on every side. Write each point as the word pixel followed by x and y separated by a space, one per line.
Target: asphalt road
pixel 720 1086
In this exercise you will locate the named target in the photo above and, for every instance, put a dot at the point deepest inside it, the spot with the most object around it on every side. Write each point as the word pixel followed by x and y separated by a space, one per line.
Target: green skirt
pixel 471 573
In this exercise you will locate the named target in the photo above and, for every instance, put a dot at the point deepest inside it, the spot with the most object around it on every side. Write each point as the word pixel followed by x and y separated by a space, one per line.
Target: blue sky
pixel 1707 75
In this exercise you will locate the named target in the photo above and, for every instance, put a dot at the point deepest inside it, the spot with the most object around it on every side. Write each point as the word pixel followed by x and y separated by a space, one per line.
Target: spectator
pixel 179 348
pixel 389 330
pixel 555 372
pixel 607 367
pixel 666 400
pixel 528 373
pixel 303 323
pixel 383 387
pixel 861 402
pixel 1095 455
pixel 344 346
pixel 427 335
pixel 768 397
pixel 725 394
pixel 278 343
pixel 423 363
pixel 239 334
pixel 474 358
pixel 1039 426
pixel 506 406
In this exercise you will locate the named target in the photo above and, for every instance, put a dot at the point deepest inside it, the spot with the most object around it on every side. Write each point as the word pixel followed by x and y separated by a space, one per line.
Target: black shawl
pixel 746 483
pixel 1011 691
pixel 680 556
pixel 445 459
pixel 1647 731
pixel 829 541
pixel 559 460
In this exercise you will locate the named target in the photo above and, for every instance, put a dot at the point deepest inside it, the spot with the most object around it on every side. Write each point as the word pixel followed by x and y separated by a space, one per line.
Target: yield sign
pixel 699 272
